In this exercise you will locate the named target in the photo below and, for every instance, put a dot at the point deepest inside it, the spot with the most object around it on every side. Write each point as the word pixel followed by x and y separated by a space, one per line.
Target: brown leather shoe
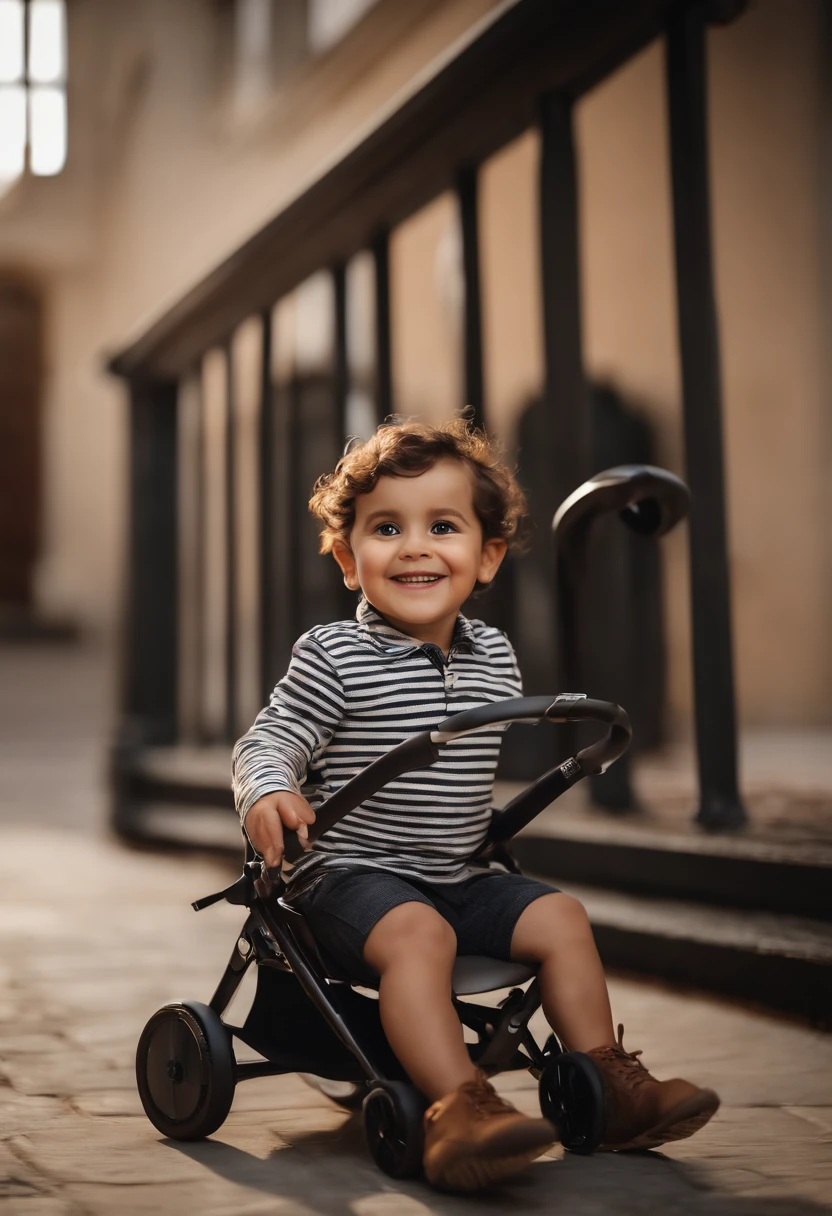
pixel 473 1137
pixel 643 1112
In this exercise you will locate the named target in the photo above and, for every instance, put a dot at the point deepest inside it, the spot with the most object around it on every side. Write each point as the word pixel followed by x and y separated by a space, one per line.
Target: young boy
pixel 416 518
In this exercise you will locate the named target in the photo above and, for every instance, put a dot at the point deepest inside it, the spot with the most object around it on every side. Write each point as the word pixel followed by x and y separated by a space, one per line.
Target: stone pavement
pixel 94 937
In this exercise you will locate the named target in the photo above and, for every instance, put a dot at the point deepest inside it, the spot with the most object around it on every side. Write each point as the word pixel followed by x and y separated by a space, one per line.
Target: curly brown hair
pixel 406 448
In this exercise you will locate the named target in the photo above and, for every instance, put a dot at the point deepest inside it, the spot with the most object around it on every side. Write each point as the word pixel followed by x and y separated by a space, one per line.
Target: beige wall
pixel 162 183
pixel 426 304
pixel 767 151
pixel 765 101
pixel 765 110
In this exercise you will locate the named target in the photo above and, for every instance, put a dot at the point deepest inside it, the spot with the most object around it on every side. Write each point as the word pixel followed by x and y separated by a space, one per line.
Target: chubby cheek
pixel 373 565
pixel 460 559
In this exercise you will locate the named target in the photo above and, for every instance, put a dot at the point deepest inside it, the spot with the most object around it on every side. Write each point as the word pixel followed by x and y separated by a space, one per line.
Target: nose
pixel 415 544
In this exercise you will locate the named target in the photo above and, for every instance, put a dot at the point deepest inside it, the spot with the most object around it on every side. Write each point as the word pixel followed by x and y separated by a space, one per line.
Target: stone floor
pixel 95 937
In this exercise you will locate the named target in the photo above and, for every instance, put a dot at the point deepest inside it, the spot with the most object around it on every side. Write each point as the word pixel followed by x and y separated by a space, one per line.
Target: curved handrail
pixel 648 499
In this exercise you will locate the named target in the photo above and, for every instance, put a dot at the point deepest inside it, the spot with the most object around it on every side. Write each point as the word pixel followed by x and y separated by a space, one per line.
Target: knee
pixel 562 921
pixel 422 931
pixel 409 933
pixel 571 914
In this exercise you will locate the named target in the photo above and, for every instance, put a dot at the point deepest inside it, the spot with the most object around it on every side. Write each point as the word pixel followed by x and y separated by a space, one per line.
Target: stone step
pixel 704 869
pixel 781 863
pixel 781 962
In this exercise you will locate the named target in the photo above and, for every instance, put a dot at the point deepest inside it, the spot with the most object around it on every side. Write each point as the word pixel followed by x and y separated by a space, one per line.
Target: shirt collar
pixel 384 636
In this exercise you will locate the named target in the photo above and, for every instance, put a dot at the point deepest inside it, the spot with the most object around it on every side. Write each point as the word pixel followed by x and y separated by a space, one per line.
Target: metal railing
pixel 525 67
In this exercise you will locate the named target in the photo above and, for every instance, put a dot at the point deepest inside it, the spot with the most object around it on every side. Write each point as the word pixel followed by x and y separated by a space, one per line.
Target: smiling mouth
pixel 414 580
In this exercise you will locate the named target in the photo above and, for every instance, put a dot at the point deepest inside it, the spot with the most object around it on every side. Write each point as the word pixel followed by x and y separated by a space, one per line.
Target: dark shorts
pixel 344 905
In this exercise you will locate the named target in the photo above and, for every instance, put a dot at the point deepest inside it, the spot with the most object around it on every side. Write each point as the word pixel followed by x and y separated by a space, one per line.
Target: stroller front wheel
pixel 393 1112
pixel 573 1096
pixel 185 1070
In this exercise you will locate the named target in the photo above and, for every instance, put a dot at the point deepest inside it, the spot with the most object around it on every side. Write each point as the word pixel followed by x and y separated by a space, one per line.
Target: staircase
pixel 746 914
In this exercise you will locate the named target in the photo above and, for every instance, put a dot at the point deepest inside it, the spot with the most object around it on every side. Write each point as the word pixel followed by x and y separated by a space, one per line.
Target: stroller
pixel 305 1019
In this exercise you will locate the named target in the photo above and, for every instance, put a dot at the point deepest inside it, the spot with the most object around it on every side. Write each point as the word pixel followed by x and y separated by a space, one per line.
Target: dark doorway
pixel 20 441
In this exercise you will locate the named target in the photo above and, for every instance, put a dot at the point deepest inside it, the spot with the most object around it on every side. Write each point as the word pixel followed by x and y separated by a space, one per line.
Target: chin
pixel 416 613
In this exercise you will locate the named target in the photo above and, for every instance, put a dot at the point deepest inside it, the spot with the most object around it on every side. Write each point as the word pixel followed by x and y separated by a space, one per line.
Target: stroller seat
pixel 477 973
pixel 472 973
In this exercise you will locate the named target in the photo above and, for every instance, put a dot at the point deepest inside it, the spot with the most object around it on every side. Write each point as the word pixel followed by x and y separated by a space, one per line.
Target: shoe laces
pixel 484 1099
pixel 625 1064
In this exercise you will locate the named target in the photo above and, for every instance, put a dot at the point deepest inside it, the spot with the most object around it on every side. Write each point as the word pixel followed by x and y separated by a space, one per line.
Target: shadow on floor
pixel 330 1171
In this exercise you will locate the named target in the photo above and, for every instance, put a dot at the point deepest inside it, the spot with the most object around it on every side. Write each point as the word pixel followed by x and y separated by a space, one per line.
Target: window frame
pixel 31 87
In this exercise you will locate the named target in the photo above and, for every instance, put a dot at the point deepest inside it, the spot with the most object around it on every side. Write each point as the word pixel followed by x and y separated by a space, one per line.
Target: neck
pixel 439 633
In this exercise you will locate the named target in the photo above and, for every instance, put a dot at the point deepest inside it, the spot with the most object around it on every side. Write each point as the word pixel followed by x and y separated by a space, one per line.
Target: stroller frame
pixel 306 1020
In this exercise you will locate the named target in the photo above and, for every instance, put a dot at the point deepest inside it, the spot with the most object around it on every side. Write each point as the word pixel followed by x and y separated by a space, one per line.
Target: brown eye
pixel 443 523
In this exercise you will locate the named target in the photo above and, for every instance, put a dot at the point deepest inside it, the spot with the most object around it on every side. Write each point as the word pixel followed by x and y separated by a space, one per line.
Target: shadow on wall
pixel 622 580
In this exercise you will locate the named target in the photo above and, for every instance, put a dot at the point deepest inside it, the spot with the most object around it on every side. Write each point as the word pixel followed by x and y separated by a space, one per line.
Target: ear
pixel 343 556
pixel 493 552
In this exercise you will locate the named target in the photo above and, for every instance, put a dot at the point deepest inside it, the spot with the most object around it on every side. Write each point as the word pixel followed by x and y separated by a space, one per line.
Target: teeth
pixel 419 578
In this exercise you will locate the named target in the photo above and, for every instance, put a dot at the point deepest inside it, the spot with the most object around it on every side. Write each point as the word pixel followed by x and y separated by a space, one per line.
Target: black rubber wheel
pixel 573 1096
pixel 347 1094
pixel 393 1112
pixel 185 1071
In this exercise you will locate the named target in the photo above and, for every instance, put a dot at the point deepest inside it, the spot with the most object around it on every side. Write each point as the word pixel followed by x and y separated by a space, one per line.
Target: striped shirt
pixel 354 690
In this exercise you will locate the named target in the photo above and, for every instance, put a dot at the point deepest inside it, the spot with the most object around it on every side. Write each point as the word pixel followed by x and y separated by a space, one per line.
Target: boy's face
pixel 420 528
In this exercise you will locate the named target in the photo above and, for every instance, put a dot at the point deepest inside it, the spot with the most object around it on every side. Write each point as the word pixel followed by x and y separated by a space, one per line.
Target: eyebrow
pixel 438 511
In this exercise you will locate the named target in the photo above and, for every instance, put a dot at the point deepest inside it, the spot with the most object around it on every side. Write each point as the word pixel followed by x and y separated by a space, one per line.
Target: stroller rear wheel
pixel 573 1096
pixel 185 1070
pixel 393 1113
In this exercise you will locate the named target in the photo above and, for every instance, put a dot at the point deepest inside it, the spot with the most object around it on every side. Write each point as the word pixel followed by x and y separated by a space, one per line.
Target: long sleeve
pixel 294 728
pixel 518 675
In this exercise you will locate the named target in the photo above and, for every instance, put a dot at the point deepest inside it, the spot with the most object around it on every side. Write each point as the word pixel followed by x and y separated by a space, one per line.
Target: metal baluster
pixel 199 558
pixel 294 588
pixel 190 569
pixel 150 662
pixel 720 805
pixel 340 389
pixel 285 566
pixel 473 384
pixel 340 366
pixel 267 573
pixel 497 605
pixel 565 387
pixel 565 390
pixel 384 368
pixel 230 551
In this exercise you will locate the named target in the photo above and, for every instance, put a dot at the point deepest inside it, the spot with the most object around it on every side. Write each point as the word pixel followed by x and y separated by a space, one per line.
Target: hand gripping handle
pixel 421 750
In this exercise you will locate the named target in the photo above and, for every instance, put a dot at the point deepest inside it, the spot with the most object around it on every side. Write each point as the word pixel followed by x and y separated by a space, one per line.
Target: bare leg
pixel 555 933
pixel 413 949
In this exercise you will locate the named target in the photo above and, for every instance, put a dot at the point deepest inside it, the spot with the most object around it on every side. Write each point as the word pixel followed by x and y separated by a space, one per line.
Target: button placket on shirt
pixel 449 677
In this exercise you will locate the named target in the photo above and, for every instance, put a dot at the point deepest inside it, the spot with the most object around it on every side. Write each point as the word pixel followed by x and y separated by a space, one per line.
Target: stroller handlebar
pixel 421 750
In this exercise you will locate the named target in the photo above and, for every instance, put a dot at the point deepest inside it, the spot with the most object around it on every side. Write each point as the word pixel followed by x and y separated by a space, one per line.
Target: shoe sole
pixel 504 1155
pixel 681 1122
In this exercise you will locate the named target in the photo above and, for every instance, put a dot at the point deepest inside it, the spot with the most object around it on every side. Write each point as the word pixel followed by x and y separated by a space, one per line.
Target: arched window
pixel 32 88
